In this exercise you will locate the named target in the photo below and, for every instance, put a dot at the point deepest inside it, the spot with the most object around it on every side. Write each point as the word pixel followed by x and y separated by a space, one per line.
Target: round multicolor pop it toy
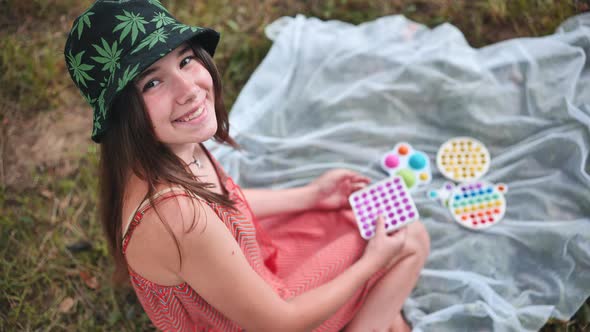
pixel 475 205
pixel 388 197
pixel 412 165
pixel 463 159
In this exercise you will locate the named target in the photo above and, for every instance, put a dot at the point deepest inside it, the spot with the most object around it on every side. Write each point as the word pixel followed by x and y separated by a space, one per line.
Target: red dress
pixel 293 254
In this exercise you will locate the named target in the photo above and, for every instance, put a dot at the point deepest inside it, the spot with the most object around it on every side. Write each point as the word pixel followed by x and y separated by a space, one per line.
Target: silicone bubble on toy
pixel 463 159
pixel 474 204
pixel 412 165
pixel 389 197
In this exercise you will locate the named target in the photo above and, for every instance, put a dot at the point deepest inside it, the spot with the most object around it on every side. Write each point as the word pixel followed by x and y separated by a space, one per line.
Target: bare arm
pixel 328 191
pixel 214 265
pixel 269 202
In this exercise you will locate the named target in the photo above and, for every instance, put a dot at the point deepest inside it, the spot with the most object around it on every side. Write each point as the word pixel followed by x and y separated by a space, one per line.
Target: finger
pixel 362 179
pixel 356 177
pixel 380 226
pixel 348 214
pixel 400 234
pixel 357 186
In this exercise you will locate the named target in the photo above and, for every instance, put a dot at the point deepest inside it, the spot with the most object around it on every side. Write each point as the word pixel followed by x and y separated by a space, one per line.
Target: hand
pixel 331 189
pixel 384 249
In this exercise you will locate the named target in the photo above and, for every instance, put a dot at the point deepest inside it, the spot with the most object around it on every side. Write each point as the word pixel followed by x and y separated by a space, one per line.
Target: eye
pixel 150 84
pixel 186 60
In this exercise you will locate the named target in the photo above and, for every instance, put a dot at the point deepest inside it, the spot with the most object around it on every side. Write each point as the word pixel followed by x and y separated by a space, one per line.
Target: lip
pixel 193 109
pixel 195 120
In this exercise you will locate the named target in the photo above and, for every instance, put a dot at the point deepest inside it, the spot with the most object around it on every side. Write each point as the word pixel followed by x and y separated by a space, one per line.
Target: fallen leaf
pixel 46 193
pixel 89 280
pixel 66 305
pixel 71 272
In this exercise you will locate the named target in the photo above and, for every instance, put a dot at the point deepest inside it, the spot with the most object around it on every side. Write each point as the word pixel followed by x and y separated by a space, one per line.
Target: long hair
pixel 131 147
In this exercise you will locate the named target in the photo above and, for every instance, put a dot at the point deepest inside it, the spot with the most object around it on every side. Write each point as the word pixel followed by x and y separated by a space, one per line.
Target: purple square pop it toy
pixel 389 197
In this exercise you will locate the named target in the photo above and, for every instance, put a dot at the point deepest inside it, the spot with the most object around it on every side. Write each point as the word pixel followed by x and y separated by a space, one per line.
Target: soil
pixel 50 142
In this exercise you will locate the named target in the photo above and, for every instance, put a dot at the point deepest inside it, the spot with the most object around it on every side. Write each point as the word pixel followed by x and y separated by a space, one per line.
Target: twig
pixel 2 143
pixel 54 210
pixel 79 210
pixel 43 259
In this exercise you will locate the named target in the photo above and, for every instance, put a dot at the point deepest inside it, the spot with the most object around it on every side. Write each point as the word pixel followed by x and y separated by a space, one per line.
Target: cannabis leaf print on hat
pixel 114 41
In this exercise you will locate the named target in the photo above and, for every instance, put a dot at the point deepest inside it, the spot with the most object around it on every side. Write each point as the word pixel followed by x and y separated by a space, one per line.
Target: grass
pixel 55 269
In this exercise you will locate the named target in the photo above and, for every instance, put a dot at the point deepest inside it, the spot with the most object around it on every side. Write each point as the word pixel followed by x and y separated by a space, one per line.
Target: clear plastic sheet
pixel 331 94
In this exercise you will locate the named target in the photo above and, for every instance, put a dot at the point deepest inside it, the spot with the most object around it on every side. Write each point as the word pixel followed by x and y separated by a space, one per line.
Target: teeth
pixel 192 115
pixel 197 113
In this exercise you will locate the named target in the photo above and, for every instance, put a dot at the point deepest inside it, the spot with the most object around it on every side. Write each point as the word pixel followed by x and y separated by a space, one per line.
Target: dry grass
pixel 54 273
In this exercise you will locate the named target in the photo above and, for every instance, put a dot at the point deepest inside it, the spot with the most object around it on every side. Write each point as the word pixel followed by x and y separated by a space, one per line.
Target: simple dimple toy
pixel 475 205
pixel 463 159
pixel 412 165
pixel 389 197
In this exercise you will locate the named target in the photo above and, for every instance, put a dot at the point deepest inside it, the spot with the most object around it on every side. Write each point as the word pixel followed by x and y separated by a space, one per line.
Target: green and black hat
pixel 114 41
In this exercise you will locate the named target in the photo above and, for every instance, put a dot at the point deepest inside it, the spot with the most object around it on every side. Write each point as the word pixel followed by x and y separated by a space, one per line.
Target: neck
pixel 188 152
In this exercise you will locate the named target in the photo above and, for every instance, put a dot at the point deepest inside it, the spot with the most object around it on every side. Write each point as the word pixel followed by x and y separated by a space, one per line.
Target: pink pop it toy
pixel 388 197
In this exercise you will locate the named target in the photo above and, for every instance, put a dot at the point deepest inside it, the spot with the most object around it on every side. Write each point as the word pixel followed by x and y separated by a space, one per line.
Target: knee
pixel 418 241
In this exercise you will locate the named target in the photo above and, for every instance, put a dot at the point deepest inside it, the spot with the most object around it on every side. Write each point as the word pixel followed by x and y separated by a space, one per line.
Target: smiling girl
pixel 201 253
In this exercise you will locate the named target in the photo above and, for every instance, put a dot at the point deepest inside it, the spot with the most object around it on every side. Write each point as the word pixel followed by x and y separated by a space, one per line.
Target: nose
pixel 185 88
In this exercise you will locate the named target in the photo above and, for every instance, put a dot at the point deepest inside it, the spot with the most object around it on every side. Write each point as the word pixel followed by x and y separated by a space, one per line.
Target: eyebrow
pixel 186 49
pixel 145 73
pixel 150 70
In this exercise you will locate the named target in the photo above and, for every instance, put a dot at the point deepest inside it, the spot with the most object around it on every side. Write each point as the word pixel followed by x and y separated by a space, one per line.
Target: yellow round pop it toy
pixel 463 159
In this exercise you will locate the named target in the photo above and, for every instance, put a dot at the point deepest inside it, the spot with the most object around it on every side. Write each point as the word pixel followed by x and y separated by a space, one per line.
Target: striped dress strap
pixel 135 217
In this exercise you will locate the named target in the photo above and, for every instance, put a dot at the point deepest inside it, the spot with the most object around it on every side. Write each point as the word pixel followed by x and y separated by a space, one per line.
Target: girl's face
pixel 179 98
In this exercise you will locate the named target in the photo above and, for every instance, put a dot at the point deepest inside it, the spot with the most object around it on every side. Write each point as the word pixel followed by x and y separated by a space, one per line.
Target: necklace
pixel 196 162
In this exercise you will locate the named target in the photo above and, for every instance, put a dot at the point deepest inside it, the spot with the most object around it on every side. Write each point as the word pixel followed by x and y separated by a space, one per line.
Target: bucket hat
pixel 114 41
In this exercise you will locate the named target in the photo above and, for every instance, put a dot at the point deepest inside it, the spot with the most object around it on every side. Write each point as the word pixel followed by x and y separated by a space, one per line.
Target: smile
pixel 192 115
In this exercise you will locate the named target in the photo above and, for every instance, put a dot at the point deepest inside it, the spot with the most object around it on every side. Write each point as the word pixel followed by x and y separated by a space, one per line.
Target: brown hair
pixel 132 140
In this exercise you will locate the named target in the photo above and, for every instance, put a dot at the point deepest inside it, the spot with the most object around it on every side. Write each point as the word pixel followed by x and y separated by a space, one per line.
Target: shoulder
pixel 168 201
pixel 177 210
pixel 157 243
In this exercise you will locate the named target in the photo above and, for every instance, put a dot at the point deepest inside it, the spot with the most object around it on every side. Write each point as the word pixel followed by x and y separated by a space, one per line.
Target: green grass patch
pixel 31 70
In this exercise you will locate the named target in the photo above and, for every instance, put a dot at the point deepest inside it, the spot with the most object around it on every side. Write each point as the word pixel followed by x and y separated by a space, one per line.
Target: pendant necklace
pixel 196 162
